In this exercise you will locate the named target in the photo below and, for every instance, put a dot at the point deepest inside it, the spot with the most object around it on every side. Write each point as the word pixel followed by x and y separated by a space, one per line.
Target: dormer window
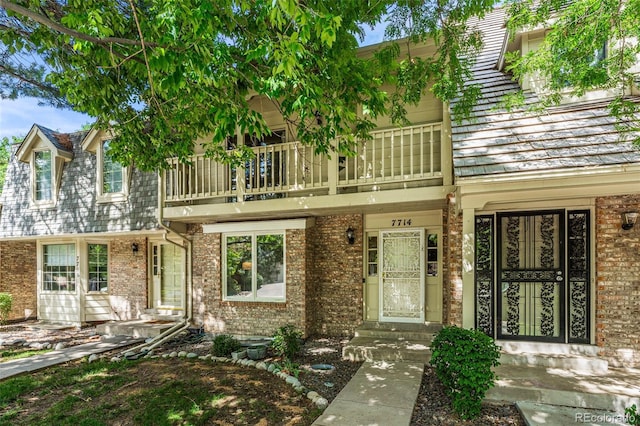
pixel 43 177
pixel 46 152
pixel 112 179
pixel 112 176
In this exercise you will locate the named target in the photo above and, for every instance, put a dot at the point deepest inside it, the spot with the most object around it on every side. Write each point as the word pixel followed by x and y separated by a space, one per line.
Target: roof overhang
pixel 34 138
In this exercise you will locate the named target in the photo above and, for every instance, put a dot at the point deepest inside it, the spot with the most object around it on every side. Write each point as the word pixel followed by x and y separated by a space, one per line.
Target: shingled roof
pixel 60 140
pixel 494 141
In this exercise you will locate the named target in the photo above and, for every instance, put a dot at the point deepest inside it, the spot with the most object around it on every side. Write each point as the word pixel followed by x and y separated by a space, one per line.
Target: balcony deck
pixel 393 159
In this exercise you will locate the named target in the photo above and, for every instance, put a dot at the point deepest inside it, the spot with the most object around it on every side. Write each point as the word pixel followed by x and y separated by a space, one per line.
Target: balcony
pixel 407 157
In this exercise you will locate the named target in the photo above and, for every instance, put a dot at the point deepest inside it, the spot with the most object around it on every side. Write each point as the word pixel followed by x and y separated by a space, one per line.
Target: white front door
pixel 402 275
pixel 168 276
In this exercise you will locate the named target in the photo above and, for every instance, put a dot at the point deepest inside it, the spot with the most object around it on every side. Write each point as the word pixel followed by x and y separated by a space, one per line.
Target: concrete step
pixel 398 330
pixel 613 391
pixel 161 315
pixel 568 357
pixel 136 328
pixel 565 362
pixel 379 349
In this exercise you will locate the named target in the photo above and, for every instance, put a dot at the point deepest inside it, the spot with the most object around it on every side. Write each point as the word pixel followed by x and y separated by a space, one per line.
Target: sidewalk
pixel 380 393
pixel 38 362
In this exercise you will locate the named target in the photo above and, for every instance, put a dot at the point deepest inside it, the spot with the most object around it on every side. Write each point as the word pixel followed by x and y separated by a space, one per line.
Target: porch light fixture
pixel 351 235
pixel 628 220
pixel 134 247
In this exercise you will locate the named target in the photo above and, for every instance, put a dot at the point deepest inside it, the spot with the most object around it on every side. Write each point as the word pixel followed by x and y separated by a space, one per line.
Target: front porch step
pixel 398 331
pixel 136 328
pixel 583 358
pixel 376 341
pixel 161 315
pixel 379 349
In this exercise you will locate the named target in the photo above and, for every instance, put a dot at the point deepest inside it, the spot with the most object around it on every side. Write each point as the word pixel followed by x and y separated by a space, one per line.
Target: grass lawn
pixel 152 392
pixel 18 353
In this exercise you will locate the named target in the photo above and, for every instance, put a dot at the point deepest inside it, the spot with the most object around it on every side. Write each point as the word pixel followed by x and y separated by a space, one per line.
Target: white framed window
pixel 254 266
pixel 42 175
pixel 59 267
pixel 98 267
pixel 112 176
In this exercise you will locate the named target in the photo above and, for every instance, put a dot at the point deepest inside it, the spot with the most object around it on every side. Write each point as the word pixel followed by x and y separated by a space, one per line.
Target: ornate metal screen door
pixel 402 276
pixel 531 276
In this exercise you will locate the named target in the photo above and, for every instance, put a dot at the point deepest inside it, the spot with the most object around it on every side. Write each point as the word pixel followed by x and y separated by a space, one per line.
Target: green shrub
pixel 463 360
pixel 6 300
pixel 286 341
pixel 224 344
pixel 633 416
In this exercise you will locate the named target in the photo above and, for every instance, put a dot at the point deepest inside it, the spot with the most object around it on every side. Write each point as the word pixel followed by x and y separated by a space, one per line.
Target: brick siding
pixel 18 277
pixel 128 281
pixel 246 318
pixel 337 276
pixel 452 281
pixel 618 281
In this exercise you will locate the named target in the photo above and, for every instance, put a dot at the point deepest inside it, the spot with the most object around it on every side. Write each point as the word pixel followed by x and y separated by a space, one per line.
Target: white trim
pixel 258 226
pixel 149 233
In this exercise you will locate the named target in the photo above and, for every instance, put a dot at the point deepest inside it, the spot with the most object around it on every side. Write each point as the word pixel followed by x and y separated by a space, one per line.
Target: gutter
pixel 188 288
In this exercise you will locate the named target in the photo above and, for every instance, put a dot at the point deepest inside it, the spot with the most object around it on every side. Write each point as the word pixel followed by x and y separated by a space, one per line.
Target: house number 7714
pixel 400 222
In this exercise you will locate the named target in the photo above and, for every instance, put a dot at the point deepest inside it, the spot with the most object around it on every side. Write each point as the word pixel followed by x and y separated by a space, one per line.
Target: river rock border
pixel 272 368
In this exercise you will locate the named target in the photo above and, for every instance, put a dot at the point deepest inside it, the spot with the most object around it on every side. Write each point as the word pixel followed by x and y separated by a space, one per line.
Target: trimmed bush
pixel 6 300
pixel 463 360
pixel 287 341
pixel 224 344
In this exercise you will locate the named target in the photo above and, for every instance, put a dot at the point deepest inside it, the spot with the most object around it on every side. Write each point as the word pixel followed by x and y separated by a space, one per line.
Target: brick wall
pixel 324 284
pixel 246 318
pixel 128 278
pixel 18 277
pixel 452 281
pixel 618 281
pixel 337 276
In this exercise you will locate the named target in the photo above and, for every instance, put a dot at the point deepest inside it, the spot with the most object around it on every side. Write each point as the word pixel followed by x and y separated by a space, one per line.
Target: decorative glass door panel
pixel 402 276
pixel 531 276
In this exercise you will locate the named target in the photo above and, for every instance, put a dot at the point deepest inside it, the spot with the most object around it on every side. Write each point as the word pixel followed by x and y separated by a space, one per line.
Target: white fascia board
pixel 264 225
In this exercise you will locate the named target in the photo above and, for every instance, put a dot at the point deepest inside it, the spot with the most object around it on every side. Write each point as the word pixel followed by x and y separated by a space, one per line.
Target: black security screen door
pixel 531 276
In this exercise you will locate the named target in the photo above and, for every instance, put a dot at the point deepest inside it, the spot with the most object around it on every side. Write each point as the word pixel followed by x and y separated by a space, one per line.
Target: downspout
pixel 188 288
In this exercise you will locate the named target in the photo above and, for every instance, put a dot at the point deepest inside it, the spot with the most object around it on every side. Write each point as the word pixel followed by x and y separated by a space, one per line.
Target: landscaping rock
pixel 93 358
pixel 60 346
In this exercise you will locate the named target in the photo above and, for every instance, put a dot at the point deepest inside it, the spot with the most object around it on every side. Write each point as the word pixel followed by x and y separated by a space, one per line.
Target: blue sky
pixel 17 116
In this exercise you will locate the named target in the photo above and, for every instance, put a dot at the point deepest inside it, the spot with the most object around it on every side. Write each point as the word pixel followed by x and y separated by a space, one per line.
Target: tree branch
pixel 64 30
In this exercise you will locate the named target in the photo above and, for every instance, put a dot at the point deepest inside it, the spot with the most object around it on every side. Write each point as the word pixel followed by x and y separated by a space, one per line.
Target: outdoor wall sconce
pixel 351 235
pixel 628 220
pixel 134 247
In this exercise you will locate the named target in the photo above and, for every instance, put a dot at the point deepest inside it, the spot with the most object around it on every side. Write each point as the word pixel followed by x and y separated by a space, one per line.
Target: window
pixel 372 255
pixel 59 267
pixel 98 267
pixel 43 176
pixel 112 177
pixel 432 255
pixel 254 267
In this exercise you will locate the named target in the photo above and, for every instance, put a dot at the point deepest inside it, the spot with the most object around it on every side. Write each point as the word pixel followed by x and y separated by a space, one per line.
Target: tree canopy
pixel 163 73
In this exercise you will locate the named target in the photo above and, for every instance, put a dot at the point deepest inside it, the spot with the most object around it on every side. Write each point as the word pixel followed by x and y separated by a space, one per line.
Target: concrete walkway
pixel 380 393
pixel 38 362
pixel 384 393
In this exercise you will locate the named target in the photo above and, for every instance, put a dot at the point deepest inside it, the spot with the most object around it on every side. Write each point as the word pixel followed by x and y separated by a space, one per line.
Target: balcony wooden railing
pixel 393 155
